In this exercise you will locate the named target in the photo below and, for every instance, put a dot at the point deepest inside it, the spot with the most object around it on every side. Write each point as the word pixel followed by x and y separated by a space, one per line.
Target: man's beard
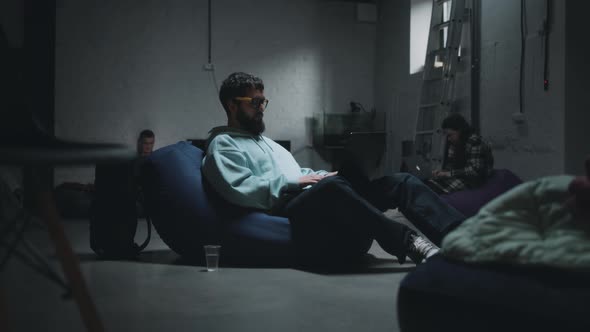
pixel 254 125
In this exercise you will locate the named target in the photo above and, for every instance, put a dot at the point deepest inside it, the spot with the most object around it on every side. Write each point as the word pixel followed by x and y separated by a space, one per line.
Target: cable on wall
pixel 546 29
pixel 523 34
pixel 475 34
pixel 209 31
pixel 209 65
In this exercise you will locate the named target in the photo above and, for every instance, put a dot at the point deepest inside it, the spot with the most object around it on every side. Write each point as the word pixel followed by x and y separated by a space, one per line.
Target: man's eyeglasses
pixel 254 102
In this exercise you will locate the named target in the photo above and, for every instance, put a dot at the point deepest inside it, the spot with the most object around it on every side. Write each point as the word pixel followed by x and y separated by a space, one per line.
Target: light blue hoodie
pixel 250 170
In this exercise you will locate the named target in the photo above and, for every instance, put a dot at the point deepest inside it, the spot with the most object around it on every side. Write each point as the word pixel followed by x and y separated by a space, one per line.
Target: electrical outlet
pixel 208 67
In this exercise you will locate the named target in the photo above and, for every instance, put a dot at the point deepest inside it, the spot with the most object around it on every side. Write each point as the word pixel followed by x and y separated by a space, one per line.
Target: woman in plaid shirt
pixel 468 158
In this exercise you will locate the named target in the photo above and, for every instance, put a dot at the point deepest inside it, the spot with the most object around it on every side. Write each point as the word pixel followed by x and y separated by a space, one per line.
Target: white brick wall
pixel 122 66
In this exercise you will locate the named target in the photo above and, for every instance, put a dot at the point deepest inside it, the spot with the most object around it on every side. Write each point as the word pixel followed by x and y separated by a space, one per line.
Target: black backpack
pixel 113 214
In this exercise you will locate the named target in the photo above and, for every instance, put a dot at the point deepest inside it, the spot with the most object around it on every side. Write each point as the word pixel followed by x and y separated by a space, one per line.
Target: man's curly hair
pixel 237 85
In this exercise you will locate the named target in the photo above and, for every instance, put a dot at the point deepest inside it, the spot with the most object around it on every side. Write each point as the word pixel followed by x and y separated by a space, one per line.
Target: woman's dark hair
pixel 457 122
pixel 237 85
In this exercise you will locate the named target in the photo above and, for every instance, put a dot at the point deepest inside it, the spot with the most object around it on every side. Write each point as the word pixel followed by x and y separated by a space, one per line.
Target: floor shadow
pixel 367 264
pixel 169 257
pixel 163 256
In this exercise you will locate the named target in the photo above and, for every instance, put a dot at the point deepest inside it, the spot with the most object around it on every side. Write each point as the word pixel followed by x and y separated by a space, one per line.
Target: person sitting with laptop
pixel 468 160
pixel 325 209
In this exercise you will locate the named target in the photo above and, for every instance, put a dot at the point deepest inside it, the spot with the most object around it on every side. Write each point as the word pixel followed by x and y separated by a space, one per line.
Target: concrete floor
pixel 161 293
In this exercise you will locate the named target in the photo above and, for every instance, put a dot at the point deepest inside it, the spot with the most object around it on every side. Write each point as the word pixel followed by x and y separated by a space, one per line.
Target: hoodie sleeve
pixel 227 170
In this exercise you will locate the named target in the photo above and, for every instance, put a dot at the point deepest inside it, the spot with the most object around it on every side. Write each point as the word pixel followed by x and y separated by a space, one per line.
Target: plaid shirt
pixel 478 166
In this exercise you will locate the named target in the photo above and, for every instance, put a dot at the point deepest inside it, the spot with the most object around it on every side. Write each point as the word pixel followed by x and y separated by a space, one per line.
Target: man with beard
pixel 328 211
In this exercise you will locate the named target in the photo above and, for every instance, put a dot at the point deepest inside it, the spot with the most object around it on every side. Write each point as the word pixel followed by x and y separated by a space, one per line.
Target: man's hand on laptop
pixel 312 179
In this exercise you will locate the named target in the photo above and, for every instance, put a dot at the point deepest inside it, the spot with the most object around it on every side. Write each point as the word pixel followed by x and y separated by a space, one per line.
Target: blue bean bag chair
pixel 188 214
pixel 469 201
pixel 446 295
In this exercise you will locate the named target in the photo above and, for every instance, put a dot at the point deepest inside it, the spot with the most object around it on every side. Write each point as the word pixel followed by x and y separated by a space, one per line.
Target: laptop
pixel 418 166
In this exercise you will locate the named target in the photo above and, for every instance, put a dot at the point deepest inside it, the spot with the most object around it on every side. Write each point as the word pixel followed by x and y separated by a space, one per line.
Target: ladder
pixel 437 98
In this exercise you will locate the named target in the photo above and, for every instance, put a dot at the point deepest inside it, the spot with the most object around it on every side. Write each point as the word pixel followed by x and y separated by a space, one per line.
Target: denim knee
pixel 398 178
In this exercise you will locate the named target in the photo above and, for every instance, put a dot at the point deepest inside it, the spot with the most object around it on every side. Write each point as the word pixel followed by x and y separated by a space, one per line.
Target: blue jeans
pixel 338 214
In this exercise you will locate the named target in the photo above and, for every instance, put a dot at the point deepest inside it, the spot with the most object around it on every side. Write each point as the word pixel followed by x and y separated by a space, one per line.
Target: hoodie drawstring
pixel 265 142
pixel 256 141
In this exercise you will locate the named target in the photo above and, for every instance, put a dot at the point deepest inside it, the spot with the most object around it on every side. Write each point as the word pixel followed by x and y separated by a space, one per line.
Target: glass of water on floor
pixel 212 256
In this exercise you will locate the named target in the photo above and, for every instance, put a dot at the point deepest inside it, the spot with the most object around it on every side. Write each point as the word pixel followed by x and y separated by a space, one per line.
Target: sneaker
pixel 421 249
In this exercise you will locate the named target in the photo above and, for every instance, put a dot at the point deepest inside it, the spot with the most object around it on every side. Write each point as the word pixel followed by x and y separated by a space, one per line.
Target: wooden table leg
pixel 69 262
